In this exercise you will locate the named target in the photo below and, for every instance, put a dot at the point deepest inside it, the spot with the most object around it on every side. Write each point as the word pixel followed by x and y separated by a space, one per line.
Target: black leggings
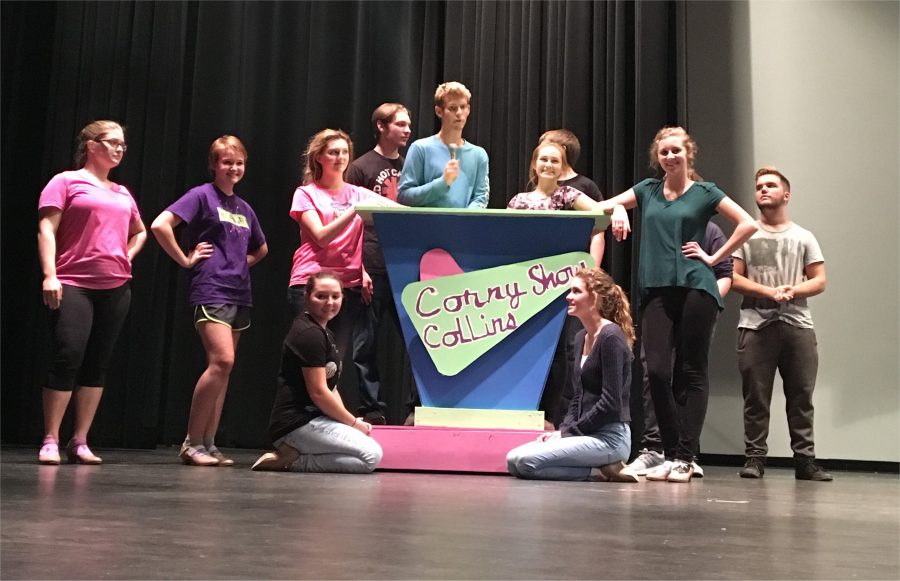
pixel 83 333
pixel 680 320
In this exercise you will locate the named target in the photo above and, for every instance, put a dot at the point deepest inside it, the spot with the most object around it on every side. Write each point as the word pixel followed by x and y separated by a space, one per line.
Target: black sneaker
pixel 754 467
pixel 805 468
pixel 375 417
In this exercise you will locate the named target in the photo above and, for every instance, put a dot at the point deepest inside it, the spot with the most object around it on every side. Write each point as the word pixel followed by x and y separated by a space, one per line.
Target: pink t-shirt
pixel 92 238
pixel 343 255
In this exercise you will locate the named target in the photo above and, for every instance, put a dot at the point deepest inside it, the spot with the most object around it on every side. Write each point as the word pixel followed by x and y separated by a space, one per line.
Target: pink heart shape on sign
pixel 436 263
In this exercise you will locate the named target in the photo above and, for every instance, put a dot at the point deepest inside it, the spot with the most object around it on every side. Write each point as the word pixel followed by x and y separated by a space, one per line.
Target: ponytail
pixel 620 314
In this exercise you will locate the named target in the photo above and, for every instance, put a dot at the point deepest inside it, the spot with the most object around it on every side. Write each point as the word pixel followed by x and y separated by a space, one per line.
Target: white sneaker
pixel 645 462
pixel 661 472
pixel 698 471
pixel 681 471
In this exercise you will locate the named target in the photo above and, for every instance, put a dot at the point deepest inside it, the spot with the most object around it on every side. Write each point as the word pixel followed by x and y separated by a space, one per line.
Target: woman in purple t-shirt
pixel 89 231
pixel 331 233
pixel 226 240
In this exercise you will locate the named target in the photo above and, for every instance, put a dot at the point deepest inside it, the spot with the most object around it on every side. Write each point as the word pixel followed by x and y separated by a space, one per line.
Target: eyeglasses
pixel 114 143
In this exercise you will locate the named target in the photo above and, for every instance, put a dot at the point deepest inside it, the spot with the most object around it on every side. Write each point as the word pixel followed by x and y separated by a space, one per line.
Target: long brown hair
pixel 312 169
pixel 610 300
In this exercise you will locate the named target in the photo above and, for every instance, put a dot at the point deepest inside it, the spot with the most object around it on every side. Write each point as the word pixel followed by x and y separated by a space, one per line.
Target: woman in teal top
pixel 679 296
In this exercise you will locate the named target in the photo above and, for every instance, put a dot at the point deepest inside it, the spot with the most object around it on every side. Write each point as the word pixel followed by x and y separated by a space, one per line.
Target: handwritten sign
pixel 461 317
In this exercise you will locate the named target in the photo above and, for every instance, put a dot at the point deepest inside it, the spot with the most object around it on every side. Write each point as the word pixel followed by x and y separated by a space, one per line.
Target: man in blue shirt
pixel 445 170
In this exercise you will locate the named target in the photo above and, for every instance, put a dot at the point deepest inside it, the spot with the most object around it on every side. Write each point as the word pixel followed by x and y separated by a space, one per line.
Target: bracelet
pixel 354 422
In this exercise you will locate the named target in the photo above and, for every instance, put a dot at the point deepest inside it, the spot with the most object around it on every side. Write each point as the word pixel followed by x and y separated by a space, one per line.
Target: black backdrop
pixel 180 74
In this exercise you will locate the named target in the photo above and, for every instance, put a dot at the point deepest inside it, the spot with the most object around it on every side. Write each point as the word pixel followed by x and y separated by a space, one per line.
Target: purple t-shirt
pixel 230 225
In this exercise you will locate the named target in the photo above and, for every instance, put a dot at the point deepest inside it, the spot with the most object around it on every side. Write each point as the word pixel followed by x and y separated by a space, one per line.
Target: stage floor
pixel 142 515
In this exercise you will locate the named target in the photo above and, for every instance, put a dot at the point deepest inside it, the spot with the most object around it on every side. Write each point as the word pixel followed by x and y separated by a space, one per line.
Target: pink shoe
pixel 197 456
pixel 78 452
pixel 218 455
pixel 49 453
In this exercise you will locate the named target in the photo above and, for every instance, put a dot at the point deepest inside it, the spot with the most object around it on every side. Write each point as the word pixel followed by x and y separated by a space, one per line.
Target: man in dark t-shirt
pixel 379 170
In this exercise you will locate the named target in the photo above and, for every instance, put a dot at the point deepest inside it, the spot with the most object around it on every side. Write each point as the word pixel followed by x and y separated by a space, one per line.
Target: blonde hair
pixel 451 88
pixel 220 145
pixel 609 298
pixel 312 169
pixel 690 147
pixel 93 131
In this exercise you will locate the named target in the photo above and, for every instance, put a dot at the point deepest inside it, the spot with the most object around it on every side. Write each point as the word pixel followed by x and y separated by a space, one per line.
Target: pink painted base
pixel 448 449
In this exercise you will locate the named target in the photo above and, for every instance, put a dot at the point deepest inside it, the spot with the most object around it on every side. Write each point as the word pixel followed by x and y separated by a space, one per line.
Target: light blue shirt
pixel 422 181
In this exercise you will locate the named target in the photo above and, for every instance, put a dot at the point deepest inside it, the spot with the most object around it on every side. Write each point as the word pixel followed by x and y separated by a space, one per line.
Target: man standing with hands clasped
pixel 776 271
pixel 379 170
pixel 445 170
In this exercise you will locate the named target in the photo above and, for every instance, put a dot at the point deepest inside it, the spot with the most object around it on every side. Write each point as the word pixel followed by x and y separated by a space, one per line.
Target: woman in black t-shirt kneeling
pixel 310 427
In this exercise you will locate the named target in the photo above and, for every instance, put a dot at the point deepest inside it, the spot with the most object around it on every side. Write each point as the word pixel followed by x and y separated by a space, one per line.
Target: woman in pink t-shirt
pixel 331 233
pixel 89 231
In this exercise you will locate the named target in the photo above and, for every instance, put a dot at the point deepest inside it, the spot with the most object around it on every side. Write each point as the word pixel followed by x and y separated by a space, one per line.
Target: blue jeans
pixel 571 458
pixel 326 445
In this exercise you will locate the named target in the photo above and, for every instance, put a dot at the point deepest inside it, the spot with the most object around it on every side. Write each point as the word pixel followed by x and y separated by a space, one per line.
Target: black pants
pixel 366 346
pixel 794 354
pixel 650 439
pixel 680 320
pixel 83 332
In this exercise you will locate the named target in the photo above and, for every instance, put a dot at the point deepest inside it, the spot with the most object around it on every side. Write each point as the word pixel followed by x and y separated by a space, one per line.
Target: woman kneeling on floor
pixel 311 429
pixel 594 439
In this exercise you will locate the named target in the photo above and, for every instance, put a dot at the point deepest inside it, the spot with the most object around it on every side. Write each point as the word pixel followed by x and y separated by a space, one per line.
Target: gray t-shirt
pixel 775 259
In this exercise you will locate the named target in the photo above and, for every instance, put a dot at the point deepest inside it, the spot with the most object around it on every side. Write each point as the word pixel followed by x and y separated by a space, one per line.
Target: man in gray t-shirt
pixel 776 271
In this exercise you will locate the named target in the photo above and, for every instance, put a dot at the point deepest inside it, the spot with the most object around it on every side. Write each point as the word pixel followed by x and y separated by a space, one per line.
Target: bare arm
pixel 724 285
pixel 257 255
pixel 48 223
pixel 628 199
pixel 163 228
pixel 814 283
pixel 584 203
pixel 323 235
pixel 330 401
pixel 598 246
pixel 749 288
pixel 137 237
pixel 619 205
pixel 745 227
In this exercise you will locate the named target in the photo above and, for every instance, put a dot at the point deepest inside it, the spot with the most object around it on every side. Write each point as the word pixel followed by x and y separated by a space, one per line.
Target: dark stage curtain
pixel 180 74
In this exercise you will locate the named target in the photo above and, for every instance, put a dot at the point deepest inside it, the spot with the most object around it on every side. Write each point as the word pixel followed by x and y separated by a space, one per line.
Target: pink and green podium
pixel 481 300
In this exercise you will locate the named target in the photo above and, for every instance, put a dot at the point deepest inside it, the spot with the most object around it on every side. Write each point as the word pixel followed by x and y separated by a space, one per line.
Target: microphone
pixel 453 147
